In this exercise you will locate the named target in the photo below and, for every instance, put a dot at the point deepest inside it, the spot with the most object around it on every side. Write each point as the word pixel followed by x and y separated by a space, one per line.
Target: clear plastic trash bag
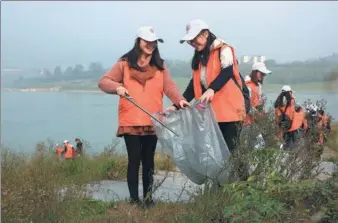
pixel 200 151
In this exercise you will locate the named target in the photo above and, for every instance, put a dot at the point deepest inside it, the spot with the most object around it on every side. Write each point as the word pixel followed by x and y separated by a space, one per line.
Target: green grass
pixel 31 185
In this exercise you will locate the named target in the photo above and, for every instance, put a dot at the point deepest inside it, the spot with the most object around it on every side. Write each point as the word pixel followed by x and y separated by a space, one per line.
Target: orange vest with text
pixel 228 102
pixel 149 96
pixel 69 152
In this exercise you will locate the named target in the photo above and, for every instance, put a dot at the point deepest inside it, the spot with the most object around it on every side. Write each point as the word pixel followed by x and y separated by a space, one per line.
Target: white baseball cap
pixel 148 33
pixel 286 88
pixel 65 141
pixel 260 66
pixel 193 28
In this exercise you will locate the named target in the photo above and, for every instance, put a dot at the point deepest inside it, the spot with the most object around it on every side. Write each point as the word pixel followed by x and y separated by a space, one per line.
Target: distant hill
pixel 297 72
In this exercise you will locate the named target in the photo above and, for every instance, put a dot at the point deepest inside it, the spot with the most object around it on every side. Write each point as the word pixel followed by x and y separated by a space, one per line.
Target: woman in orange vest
pixel 288 120
pixel 254 82
pixel 59 151
pixel 323 126
pixel 68 151
pixel 142 74
pixel 215 79
pixel 301 120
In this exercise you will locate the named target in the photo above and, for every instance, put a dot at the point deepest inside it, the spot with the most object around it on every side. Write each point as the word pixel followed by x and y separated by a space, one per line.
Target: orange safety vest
pixel 325 122
pixel 320 123
pixel 227 103
pixel 150 97
pixel 254 100
pixel 298 120
pixel 58 152
pixel 255 95
pixel 290 112
pixel 69 152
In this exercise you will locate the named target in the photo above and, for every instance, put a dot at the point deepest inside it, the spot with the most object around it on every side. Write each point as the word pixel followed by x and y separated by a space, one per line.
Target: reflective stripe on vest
pixel 150 97
pixel 228 103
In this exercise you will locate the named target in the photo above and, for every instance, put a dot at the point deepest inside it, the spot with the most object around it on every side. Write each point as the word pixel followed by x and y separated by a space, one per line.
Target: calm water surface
pixel 29 117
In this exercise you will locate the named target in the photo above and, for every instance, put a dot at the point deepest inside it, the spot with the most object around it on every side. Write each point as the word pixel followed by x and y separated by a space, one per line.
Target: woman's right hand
pixel 121 91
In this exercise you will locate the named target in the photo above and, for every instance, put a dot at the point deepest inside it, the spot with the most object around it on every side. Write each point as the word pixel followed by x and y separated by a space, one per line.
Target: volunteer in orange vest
pixel 143 75
pixel 285 104
pixel 323 126
pixel 254 82
pixel 301 121
pixel 215 78
pixel 59 151
pixel 68 150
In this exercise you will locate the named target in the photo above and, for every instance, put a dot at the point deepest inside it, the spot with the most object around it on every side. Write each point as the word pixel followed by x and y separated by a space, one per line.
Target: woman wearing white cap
pixel 288 120
pixel 254 82
pixel 142 74
pixel 216 79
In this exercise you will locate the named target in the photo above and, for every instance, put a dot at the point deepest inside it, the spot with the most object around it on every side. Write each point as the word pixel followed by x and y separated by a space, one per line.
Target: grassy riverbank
pixel 31 190
pixel 30 184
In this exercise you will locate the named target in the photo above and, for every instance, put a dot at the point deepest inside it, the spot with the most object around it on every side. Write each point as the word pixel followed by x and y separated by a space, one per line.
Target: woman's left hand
pixel 207 96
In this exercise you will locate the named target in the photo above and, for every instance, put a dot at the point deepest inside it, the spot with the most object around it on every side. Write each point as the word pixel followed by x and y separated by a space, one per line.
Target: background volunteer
pixel 79 146
pixel 145 76
pixel 215 83
pixel 68 150
pixel 285 103
pixel 254 82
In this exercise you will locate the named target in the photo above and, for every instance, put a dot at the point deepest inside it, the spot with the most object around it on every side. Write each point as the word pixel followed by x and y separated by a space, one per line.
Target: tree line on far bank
pixel 323 69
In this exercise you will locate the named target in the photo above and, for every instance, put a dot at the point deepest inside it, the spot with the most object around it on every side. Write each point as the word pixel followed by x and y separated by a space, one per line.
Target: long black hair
pixel 204 55
pixel 280 99
pixel 134 54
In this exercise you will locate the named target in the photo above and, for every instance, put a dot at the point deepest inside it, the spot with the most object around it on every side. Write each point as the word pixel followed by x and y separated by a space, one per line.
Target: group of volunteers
pixel 142 74
pixel 68 152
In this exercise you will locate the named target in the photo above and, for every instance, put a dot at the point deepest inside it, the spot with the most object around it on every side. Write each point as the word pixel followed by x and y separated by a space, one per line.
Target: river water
pixel 29 117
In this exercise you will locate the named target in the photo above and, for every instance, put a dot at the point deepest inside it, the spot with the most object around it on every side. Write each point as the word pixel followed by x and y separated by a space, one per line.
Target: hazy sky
pixel 45 34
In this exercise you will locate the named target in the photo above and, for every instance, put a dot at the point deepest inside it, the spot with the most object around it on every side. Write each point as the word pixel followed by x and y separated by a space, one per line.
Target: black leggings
pixel 140 148
pixel 231 132
pixel 290 139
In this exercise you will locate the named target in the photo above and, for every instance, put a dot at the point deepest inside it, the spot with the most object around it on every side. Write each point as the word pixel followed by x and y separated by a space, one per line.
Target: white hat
pixel 65 141
pixel 312 107
pixel 260 66
pixel 148 33
pixel 286 88
pixel 193 28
